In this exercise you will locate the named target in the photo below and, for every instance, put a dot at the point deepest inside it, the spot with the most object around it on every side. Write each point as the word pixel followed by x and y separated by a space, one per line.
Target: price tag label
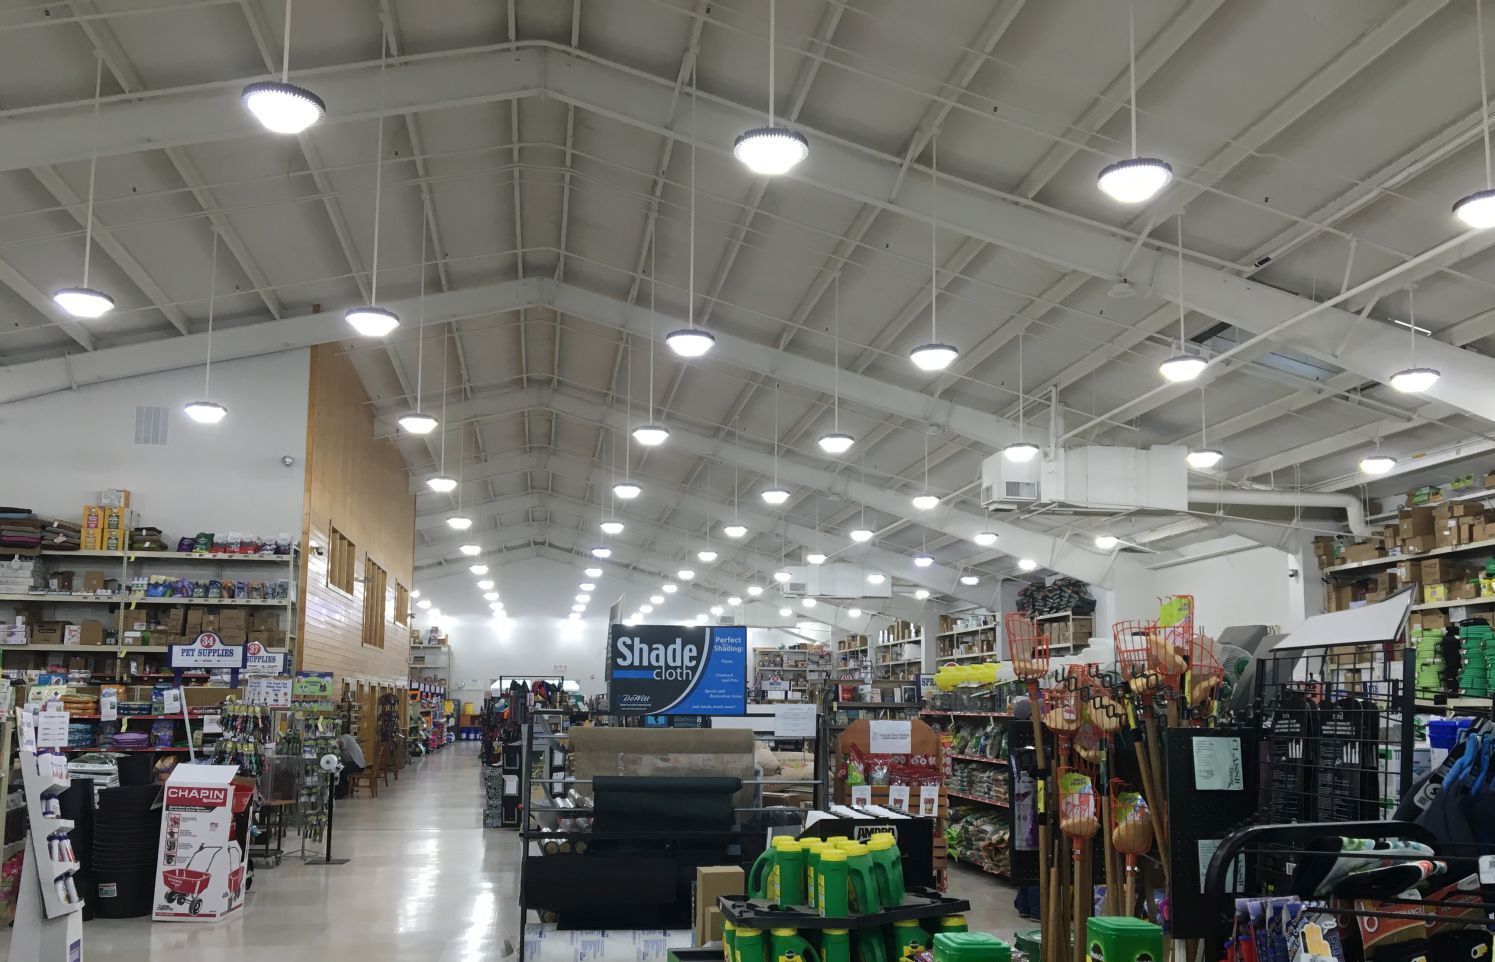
pixel 861 796
pixel 212 725
pixel 898 797
pixel 929 800
pixel 172 701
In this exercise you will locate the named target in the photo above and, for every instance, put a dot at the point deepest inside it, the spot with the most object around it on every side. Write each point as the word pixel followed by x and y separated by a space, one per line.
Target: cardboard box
pixel 175 620
pixel 1467 528
pixel 84 633
pixel 233 620
pixel 195 818
pixel 264 620
pixel 1413 522
pixel 93 581
pixel 1364 551
pixel 1435 593
pixel 194 621
pixel 1463 590
pixel 114 498
pixel 210 621
pixel 1421 544
pixel 713 881
pixel 1446 537
pixel 1467 509
pixel 113 540
pixel 48 633
pixel 1432 620
pixel 15 634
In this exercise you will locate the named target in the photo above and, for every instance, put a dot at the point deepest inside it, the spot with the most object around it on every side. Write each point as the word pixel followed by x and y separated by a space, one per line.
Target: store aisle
pixel 426 882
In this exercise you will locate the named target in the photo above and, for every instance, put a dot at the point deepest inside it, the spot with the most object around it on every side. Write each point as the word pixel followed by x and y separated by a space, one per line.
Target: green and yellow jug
pixel 729 932
pixel 864 896
pixel 872 944
pixel 906 939
pixel 786 945
pixel 835 945
pixel 887 868
pixel 747 945
pixel 779 873
pixel 832 883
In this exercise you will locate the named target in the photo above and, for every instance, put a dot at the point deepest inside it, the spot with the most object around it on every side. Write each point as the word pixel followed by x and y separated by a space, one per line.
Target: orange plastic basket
pixel 1206 675
pixel 1027 646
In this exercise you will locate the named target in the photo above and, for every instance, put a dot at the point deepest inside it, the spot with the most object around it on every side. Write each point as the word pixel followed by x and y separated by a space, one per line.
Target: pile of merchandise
pixel 206 542
pixel 1065 594
pixel 1430 665
pixel 980 837
pixel 1475 645
pixel 163 586
pixel 987 781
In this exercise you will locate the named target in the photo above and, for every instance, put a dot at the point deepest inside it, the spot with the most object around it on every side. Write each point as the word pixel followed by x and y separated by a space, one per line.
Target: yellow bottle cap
pixel 783 932
pixel 855 848
pixel 784 843
pixel 880 841
pixel 846 842
pixel 906 923
pixel 728 925
pixel 836 839
pixel 835 931
pixel 829 854
pixel 742 931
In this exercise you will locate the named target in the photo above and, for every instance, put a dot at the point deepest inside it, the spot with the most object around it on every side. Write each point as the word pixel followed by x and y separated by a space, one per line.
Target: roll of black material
pixel 634 803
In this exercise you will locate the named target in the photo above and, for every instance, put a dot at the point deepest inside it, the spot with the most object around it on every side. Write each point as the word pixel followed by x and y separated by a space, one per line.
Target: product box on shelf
pixel 233 621
pixel 1367 551
pixel 114 498
pixel 49 633
pixel 199 869
pixel 88 632
pixel 17 633
pixel 713 881
pixel 1435 593
pixel 194 622
pixel 264 620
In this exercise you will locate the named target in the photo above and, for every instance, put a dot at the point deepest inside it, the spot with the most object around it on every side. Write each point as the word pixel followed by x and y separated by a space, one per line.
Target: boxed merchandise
pixel 48 633
pixel 713 881
pixel 1446 536
pixel 1412 522
pixel 93 581
pixel 113 540
pixel 114 498
pixel 175 620
pixel 1435 593
pixel 196 855
pixel 264 620
pixel 1463 590
pixel 1434 570
pixel 194 621
pixel 18 633
pixel 233 621
pixel 1365 551
pixel 84 633
pixel 1421 544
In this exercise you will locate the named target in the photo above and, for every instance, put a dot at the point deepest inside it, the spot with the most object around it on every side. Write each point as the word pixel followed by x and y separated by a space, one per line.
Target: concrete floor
pixel 426 882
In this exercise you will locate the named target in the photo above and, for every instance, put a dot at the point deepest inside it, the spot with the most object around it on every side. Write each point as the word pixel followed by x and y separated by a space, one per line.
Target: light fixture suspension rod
pixel 378 170
pixel 420 324
pixel 776 387
pixel 207 368
pixel 653 316
pixel 1203 423
pixel 772 33
pixel 1022 422
pixel 1182 339
pixel 1411 325
pixel 1484 96
pixel 691 307
pixel 836 357
pixel 934 233
pixel 93 164
pixel 1131 46
pixel 285 47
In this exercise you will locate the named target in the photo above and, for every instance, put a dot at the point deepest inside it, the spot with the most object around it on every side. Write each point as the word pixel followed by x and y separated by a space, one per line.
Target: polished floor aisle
pixel 425 882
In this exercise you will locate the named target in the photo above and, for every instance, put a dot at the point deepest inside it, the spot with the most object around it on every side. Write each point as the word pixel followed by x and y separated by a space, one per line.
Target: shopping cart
pixel 184 886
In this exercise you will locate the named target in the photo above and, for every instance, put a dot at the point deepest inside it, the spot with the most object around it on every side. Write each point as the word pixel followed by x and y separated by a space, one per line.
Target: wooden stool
pixel 369 777
pixel 384 761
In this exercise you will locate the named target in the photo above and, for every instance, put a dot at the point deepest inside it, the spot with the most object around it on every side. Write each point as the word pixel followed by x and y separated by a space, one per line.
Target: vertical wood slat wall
pixel 360 485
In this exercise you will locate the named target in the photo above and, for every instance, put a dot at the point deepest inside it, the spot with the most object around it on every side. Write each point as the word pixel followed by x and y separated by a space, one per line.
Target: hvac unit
pixel 1010 484
pixel 1098 476
pixel 834 581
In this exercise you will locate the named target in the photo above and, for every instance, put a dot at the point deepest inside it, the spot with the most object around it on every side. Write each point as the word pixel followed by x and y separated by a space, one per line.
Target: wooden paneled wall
pixel 359 485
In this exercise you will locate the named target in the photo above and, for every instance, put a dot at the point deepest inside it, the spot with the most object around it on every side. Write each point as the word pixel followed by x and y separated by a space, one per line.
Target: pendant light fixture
pixel 861 535
pixel 1106 542
pixel 669 587
pixel 685 574
pixel 611 527
pixel 770 150
pixel 922 594
pixel 836 443
pixel 1186 365
pixel 470 549
pixel 1139 178
pixel 282 107
pixel 754 590
pixel 1027 564
pixel 442 483
pixel 653 434
pixel 205 411
pixel 1376 463
pixel 1203 457
pixel 815 558
pixel 592 572
pixel 985 538
pixel 969 580
pixel 371 320
pixel 933 356
pixel 417 421
pixel 924 501
pixel 460 521
pixel 1413 379
pixel 782 576
pixel 602 551
pixel 736 529
pixel 691 341
pixel 84 301
pixel 775 495
pixel 1020 451
pixel 479 569
pixel 1478 209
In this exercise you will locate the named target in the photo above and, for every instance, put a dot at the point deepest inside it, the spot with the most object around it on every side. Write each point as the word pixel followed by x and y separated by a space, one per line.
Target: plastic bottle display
pixel 786 945
pixel 835 945
pixel 864 895
pixel 832 884
pixel 887 864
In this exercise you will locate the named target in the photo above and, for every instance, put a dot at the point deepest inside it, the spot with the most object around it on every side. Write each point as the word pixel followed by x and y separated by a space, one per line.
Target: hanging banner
pixel 677 670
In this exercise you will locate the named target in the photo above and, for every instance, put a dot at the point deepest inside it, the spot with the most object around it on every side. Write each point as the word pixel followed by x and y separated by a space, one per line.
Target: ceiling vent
pixel 151 424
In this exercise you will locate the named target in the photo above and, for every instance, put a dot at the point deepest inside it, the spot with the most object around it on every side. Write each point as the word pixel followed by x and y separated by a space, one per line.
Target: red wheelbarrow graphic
pixel 184 886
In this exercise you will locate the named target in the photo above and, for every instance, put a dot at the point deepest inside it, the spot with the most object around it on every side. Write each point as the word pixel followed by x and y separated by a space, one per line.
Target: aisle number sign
pixel 677 670
pixel 207 651
pixel 261 661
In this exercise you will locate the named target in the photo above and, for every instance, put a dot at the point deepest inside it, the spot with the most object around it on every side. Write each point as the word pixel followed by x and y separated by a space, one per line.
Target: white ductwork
pixel 1354 511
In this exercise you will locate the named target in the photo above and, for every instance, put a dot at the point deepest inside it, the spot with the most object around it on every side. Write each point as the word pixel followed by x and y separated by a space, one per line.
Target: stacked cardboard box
pixel 106 527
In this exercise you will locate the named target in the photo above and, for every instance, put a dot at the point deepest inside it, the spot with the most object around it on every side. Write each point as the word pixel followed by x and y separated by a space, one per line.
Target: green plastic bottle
pixel 953 923
pixel 835 945
pixel 778 874
pixel 906 938
pixel 970 947
pixel 811 847
pixel 864 897
pixel 747 945
pixel 729 934
pixel 786 945
pixel 887 863
pixel 832 885
pixel 872 944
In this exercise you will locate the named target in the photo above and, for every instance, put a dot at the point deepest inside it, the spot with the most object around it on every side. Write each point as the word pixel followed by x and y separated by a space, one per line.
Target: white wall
pixel 1249 587
pixel 61 450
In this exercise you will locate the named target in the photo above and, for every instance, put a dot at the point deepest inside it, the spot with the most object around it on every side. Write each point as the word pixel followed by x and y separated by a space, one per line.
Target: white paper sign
pixel 26 721
pixel 212 725
pixel 861 796
pixel 890 738
pixel 794 721
pixel 929 800
pixel 1217 765
pixel 108 706
pixel 898 797
pixel 271 692
pixel 1207 847
pixel 1487 870
pixel 51 729
pixel 171 701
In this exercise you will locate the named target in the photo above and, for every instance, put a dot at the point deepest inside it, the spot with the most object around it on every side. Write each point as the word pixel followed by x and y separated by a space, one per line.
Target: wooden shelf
pixel 1436 605
pixel 979 758
pixel 967 714
pixel 1387 562
pixel 978 798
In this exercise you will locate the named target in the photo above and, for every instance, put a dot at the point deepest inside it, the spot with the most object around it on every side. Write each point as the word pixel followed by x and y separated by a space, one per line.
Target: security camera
pixel 287 460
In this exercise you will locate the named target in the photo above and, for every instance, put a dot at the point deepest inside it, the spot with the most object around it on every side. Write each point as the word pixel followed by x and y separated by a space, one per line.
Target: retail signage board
pixel 199 869
pixel 270 692
pixel 259 660
pixel 677 670
pixel 313 684
pixel 207 651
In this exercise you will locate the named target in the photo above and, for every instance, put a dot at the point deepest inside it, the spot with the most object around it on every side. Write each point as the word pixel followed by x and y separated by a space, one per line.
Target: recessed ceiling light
pixel 84 302
pixel 717 610
pixel 1414 380
pixel 441 484
pixel 922 561
pixel 922 594
pixel 836 442
pixel 282 108
pixel 1183 367
pixel 861 535
pixel 485 584
pixel 459 522
pixel 205 412
pixel 734 530
pixel 490 596
pixel 925 502
pixel 690 341
pixel 371 321
pixel 774 496
pixel 786 612
pixel 755 590
pixel 808 602
pixel 970 580
pixel 876 578
pixel 627 490
pixel 470 549
pixel 602 551
pixel 478 569
pixel 1020 452
pixel 685 574
pixel 770 151
pixel 933 357
pixel 651 435
pixel 985 538
pixel 670 588
pixel 1106 542
pixel 417 422
pixel 854 612
pixel 611 527
pixel 1134 181
pixel 1027 564
pixel 592 572
pixel 706 556
pixel 815 558
pixel 1377 463
pixel 1205 458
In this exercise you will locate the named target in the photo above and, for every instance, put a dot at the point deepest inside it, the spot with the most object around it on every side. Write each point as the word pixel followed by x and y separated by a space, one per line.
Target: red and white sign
pixel 199 869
